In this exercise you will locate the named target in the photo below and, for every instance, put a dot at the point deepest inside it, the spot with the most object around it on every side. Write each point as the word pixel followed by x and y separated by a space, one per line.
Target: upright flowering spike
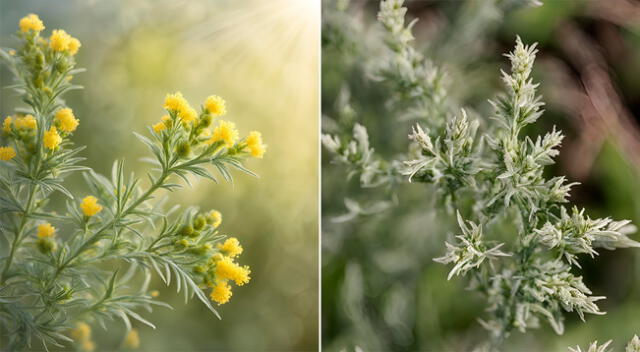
pixel 231 247
pixel 31 22
pixel 255 145
pixel 90 206
pixel 52 139
pixel 45 230
pixel 7 153
pixel 215 105
pixel 221 292
pixel 59 40
pixel 66 120
pixel 225 132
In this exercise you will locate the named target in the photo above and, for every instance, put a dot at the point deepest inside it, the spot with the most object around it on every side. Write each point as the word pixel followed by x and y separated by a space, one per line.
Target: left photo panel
pixel 159 175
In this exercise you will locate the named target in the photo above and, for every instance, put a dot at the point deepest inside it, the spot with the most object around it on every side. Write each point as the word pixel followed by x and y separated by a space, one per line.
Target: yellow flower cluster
pixel 255 145
pixel 31 22
pixel 178 104
pixel 27 122
pixel 214 218
pixel 132 340
pixel 227 269
pixel 82 335
pixel 65 120
pixel 215 105
pixel 45 230
pixel 90 206
pixel 60 40
pixel 231 247
pixel 6 124
pixel 225 132
pixel 7 153
pixel 52 138
pixel 221 292
pixel 165 121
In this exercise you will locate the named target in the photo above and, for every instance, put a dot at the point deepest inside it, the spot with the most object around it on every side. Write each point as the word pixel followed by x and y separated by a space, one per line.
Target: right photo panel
pixel 480 168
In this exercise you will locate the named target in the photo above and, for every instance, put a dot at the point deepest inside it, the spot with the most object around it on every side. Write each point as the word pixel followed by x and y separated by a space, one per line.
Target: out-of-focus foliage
pixel 263 59
pixel 380 288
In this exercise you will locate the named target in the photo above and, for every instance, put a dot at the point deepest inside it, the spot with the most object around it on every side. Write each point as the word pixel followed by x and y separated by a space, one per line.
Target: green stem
pixel 19 234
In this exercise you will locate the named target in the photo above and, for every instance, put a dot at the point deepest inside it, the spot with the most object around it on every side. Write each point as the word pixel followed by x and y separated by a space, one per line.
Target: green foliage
pixel 96 264
pixel 519 245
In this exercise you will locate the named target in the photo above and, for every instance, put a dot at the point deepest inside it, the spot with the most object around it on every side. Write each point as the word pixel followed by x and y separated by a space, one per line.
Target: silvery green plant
pixel 519 242
pixel 632 346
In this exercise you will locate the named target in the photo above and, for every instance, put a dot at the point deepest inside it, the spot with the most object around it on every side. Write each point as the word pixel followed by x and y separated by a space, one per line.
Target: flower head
pixel 225 132
pixel 255 145
pixel 59 40
pixel 132 340
pixel 45 230
pixel 81 332
pixel 7 153
pixel 231 247
pixel 174 102
pixel 227 269
pixel 74 46
pixel 215 105
pixel 66 120
pixel 27 122
pixel 214 218
pixel 90 206
pixel 6 124
pixel 221 292
pixel 31 22
pixel 52 138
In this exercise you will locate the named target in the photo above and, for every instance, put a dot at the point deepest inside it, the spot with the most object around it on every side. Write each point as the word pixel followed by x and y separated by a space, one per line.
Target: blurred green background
pixel 262 57
pixel 381 289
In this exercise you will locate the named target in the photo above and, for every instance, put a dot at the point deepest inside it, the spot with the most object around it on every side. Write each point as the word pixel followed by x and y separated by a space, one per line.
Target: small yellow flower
pixel 221 292
pixel 6 124
pixel 214 218
pixel 132 340
pixel 226 269
pixel 74 45
pixel 59 40
pixel 188 114
pixel 31 22
pixel 46 230
pixel 254 143
pixel 215 105
pixel 88 346
pixel 90 206
pixel 155 293
pixel 28 122
pixel 231 247
pixel 66 120
pixel 12 52
pixel 174 102
pixel 7 153
pixel 52 139
pixel 81 332
pixel 160 126
pixel 226 132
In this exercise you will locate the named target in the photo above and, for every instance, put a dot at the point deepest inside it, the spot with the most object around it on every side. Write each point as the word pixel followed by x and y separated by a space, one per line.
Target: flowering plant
pixel 518 244
pixel 61 271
